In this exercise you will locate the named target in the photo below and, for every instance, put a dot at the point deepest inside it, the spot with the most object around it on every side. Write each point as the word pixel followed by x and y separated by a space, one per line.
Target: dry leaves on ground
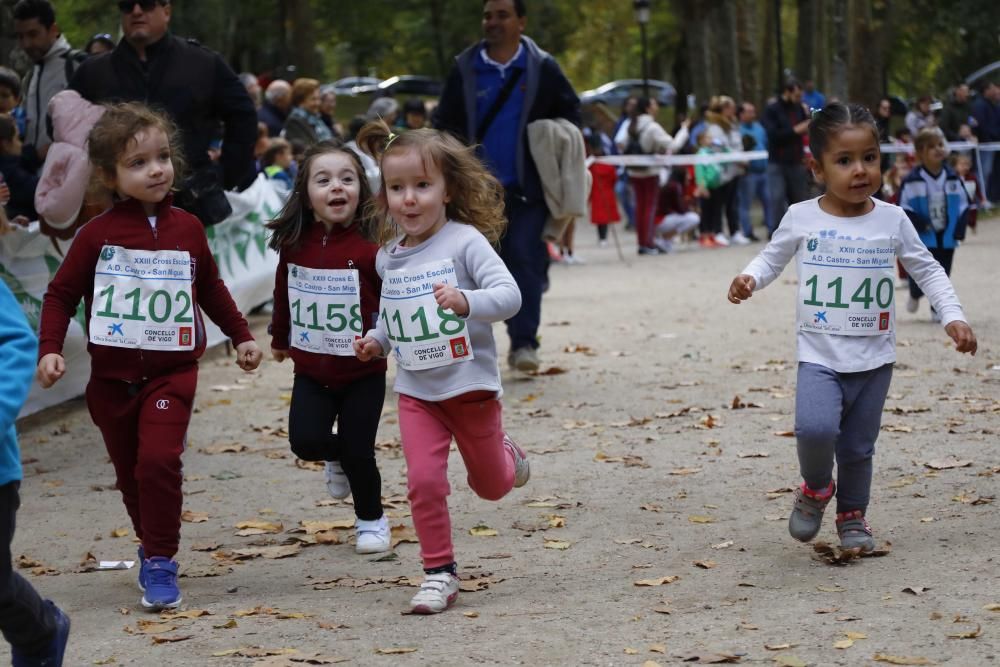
pixel 901 659
pixel 660 581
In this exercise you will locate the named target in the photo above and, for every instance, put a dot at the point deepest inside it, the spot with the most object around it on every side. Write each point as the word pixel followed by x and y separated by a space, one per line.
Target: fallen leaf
pixel 779 647
pixel 711 658
pixel 556 521
pixel 901 659
pixel 993 606
pixel 283 551
pixel 826 610
pixel 561 545
pixel 314 527
pixel 705 564
pixel 171 639
pixel 723 545
pixel 470 614
pixel 843 643
pixel 657 582
pixel 657 648
pixel 650 663
pixel 194 517
pixel 247 528
pixel 752 455
pixel 831 589
pixel 651 507
pixel 900 483
pixel 897 428
pixel 119 532
pixel 631 651
pixel 190 613
pixel 151 627
pixel 553 370
pixel 701 519
pixel 855 635
pixel 789 661
pixel 482 530
pixel 785 434
pixel 228 625
pixel 394 651
pixel 947 464
pixel 230 448
pixel 916 590
pixel 971 634
pixel 685 471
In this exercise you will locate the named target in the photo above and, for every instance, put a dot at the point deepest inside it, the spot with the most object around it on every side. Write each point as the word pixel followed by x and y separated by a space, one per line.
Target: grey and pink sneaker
pixel 807 512
pixel 522 469
pixel 854 531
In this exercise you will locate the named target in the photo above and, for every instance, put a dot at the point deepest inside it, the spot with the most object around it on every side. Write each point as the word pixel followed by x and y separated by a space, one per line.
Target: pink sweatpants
pixel 427 427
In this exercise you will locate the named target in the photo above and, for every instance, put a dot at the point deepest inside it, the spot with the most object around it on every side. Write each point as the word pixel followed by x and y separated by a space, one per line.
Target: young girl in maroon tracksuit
pixel 142 267
pixel 326 294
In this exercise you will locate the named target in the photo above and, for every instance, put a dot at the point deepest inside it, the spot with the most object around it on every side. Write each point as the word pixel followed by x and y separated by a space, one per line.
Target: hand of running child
pixel 51 368
pixel 451 298
pixel 248 355
pixel 367 348
pixel 742 288
pixel 279 355
pixel 965 339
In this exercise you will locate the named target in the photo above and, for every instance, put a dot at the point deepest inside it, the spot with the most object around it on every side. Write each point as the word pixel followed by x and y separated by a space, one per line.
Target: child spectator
pixel 277 162
pixel 708 177
pixel 603 203
pixel 962 164
pixel 414 114
pixel 674 217
pixel 10 98
pixel 21 181
pixel 937 203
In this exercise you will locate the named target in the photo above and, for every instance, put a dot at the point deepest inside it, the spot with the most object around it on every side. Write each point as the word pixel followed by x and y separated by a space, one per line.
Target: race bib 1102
pixel 143 299
pixel 847 287
pixel 325 309
pixel 422 334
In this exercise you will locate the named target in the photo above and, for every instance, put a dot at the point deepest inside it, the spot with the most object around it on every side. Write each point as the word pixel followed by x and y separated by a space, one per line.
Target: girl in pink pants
pixel 443 286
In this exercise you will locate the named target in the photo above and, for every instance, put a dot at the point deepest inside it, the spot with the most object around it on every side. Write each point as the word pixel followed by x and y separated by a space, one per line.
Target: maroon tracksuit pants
pixel 145 428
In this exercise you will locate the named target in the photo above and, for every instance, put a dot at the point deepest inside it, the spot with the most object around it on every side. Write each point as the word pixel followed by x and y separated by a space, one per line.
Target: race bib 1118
pixel 422 334
pixel 143 299
pixel 325 309
pixel 846 287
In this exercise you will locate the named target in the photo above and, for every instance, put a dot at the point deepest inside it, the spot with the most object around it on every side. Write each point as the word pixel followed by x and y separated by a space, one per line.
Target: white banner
pixel 29 260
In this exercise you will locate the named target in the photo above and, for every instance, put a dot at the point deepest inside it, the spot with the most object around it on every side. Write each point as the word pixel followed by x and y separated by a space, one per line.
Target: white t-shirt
pixel 851 354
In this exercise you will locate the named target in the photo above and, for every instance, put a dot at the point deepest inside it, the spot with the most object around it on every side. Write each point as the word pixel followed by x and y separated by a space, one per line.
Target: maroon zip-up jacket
pixel 125 224
pixel 340 248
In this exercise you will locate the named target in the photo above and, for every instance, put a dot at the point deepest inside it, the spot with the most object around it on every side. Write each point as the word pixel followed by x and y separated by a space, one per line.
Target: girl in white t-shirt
pixel 845 244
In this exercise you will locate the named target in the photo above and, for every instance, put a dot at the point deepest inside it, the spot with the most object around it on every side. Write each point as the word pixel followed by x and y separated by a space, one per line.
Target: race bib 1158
pixel 143 299
pixel 846 287
pixel 422 334
pixel 325 309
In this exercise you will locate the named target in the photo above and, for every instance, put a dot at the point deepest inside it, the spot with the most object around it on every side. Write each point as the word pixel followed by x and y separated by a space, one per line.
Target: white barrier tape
pixel 747 156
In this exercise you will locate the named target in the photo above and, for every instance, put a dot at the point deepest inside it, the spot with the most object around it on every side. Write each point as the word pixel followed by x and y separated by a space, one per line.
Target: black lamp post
pixel 641 8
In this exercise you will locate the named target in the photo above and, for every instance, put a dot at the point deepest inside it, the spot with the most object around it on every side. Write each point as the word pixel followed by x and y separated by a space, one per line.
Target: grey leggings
pixel 839 415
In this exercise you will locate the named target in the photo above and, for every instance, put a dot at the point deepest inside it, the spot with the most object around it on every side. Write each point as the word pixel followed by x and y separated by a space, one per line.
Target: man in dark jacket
pixel 786 121
pixel 194 86
pixel 496 88
pixel 957 112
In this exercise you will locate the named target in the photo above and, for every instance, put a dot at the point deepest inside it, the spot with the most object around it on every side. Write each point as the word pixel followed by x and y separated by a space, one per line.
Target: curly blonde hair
pixel 476 197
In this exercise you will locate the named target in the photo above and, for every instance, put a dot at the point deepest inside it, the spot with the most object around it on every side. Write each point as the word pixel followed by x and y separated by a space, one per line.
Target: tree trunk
pixel 437 31
pixel 749 38
pixel 805 43
pixel 867 53
pixel 700 62
pixel 302 36
pixel 727 49
pixel 769 55
pixel 822 47
pixel 841 50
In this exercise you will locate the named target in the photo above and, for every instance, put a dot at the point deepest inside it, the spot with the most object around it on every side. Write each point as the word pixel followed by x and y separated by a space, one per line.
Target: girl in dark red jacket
pixel 142 268
pixel 326 294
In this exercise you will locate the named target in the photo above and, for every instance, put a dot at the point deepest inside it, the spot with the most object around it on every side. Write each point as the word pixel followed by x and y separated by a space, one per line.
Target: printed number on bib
pixel 325 309
pixel 142 299
pixel 847 288
pixel 422 334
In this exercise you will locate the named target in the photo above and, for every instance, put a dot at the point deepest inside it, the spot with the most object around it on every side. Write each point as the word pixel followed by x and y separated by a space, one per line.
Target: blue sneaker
pixel 53 655
pixel 161 584
pixel 142 569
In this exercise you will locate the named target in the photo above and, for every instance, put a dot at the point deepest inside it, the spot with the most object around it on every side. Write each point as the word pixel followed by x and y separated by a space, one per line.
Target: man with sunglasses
pixel 54 60
pixel 195 86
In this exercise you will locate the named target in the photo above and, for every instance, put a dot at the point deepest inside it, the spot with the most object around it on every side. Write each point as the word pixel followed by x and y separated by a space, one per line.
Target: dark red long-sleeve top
pixel 339 248
pixel 126 224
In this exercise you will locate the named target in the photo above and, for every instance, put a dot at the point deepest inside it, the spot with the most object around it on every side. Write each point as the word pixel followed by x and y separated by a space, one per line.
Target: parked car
pixel 405 85
pixel 614 93
pixel 352 85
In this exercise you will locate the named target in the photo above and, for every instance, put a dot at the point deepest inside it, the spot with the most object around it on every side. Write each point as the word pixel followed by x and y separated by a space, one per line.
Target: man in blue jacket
pixel 36 628
pixel 495 89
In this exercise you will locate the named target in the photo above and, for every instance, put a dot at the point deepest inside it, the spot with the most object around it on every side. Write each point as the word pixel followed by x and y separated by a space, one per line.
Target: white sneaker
pixel 739 239
pixel 437 593
pixel 336 480
pixel 721 239
pixel 663 245
pixel 522 469
pixel 913 305
pixel 373 537
pixel 602 244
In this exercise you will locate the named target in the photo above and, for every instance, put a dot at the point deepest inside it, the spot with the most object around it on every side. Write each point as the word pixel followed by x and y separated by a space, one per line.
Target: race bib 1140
pixel 325 309
pixel 143 299
pixel 847 287
pixel 422 334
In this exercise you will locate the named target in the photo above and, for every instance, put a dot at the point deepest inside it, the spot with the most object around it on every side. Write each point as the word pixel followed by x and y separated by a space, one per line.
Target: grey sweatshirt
pixel 492 294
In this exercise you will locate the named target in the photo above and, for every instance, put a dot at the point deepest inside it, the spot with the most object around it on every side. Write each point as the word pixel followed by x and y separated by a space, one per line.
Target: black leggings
pixel 356 409
pixel 944 256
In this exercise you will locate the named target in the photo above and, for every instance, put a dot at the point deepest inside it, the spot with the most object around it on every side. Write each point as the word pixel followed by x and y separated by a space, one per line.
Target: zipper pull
pixel 325 236
pixel 350 264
